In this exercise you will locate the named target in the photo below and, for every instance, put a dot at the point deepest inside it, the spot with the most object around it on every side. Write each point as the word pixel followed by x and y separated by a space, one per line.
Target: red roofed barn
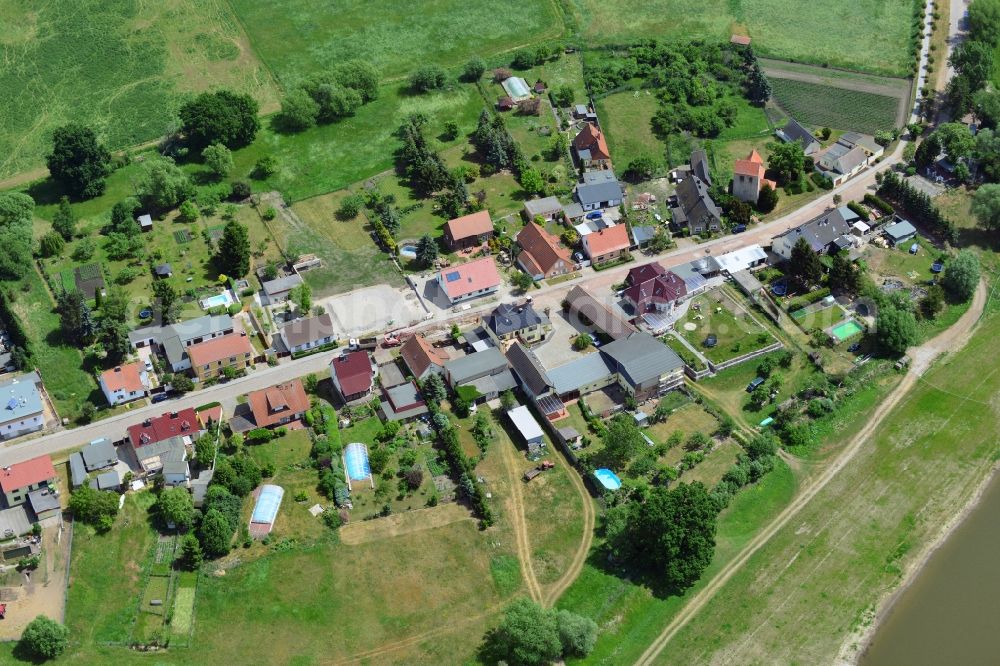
pixel 353 375
pixel 541 255
pixel 468 230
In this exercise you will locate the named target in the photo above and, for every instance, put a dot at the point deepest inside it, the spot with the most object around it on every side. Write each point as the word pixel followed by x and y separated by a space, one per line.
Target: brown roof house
pixel 652 288
pixel 469 230
pixel 607 244
pixel 302 335
pixel 591 148
pixel 354 375
pixel 422 358
pixel 541 255
pixel 279 404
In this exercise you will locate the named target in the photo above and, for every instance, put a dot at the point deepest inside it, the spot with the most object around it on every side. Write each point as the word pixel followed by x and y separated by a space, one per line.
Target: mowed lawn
pixel 878 31
pixel 816 581
pixel 300 37
pixel 120 67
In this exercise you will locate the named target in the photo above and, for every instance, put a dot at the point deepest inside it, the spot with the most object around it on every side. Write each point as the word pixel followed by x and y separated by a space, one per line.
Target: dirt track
pixel 515 509
pixel 950 340
pixel 580 558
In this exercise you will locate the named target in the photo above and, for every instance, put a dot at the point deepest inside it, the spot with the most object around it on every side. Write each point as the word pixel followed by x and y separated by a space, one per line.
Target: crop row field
pixel 837 108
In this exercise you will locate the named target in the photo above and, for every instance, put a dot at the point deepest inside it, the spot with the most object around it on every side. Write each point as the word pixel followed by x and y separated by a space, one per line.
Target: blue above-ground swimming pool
pixel 608 478
pixel 356 461
pixel 408 251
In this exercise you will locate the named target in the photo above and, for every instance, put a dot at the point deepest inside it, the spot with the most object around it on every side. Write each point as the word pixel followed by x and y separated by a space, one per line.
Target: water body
pixel 951 612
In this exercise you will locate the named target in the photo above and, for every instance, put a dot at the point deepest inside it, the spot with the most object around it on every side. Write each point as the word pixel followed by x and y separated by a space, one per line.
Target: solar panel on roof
pixel 454 276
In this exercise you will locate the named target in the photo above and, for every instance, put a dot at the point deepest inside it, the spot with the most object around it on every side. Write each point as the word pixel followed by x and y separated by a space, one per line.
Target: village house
pixel 470 280
pixel 748 178
pixel 607 244
pixel 278 405
pixel 422 358
pixel 160 428
pixel 468 231
pixel 20 479
pixel 541 255
pixel 793 131
pixel 307 333
pixel 210 358
pixel 534 382
pixel 125 383
pixel 278 290
pixel 486 371
pixel 599 189
pixel 175 339
pixel 694 208
pixel 168 456
pixel 353 376
pixel 508 322
pixel 899 232
pixel 22 409
pixel 641 365
pixel 97 456
pixel 591 148
pixel 825 234
pixel 546 208
pixel 652 288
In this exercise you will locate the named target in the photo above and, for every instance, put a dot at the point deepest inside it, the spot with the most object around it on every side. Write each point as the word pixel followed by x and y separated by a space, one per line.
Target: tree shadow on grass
pixel 26 656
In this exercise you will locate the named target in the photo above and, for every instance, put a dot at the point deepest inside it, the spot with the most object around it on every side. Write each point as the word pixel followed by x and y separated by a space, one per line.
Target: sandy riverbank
pixel 857 643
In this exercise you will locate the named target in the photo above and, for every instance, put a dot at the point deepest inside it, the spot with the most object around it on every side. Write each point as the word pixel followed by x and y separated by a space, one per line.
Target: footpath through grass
pixel 818 580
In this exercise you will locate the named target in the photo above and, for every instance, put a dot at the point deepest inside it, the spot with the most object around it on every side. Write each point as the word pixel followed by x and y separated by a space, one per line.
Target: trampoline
pixel 356 462
pixel 608 478
pixel 267 505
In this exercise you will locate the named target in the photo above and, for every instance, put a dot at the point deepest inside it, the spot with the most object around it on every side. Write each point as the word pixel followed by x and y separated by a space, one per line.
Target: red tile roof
pixel 126 378
pixel 752 165
pixel 592 139
pixel 210 351
pixel 469 226
pixel 276 402
pixel 210 415
pixel 664 288
pixel 27 473
pixel 165 426
pixel 464 279
pixel 418 354
pixel 607 240
pixel 541 249
pixel 640 274
pixel 354 372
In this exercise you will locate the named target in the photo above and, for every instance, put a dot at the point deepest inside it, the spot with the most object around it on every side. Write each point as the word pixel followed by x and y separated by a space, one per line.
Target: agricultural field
pixel 850 544
pixel 300 37
pixel 878 31
pixel 824 106
pixel 123 68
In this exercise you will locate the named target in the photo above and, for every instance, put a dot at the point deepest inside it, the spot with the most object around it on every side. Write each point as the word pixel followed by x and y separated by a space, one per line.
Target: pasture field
pixel 350 257
pixel 121 67
pixel 878 30
pixel 301 37
pixel 824 106
pixel 852 541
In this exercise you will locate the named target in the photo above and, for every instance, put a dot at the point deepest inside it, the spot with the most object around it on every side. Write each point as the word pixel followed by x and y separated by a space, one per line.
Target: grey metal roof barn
pixel 584 371
pixel 793 131
pixel 467 368
pixel 598 187
pixel 543 207
pixel 529 369
pixel 642 358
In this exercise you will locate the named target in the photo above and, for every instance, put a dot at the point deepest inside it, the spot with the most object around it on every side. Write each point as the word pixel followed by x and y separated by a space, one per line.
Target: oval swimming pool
pixel 608 478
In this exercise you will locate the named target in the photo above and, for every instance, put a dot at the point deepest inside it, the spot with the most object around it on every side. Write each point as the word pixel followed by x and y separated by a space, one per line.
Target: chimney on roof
pixel 118 368
pixel 173 415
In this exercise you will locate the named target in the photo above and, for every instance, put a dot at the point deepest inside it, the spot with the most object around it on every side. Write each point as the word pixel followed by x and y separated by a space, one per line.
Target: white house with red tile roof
pixel 19 479
pixel 353 375
pixel 607 244
pixel 125 383
pixel 470 280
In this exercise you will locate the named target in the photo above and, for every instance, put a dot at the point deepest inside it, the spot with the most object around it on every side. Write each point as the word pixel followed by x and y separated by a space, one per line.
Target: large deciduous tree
pixel 174 507
pixel 786 159
pixel 986 206
pixel 222 117
pixel 43 639
pixel 961 276
pixel 895 329
pixel 78 161
pixel 16 213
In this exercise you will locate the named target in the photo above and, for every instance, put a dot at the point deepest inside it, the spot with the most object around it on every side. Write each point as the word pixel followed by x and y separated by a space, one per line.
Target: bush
pixel 428 77
pixel 44 638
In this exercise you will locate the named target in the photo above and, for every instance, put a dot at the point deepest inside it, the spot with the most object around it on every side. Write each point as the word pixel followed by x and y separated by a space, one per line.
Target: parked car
pixel 855 347
pixel 594 215
pixel 739 228
pixel 160 397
